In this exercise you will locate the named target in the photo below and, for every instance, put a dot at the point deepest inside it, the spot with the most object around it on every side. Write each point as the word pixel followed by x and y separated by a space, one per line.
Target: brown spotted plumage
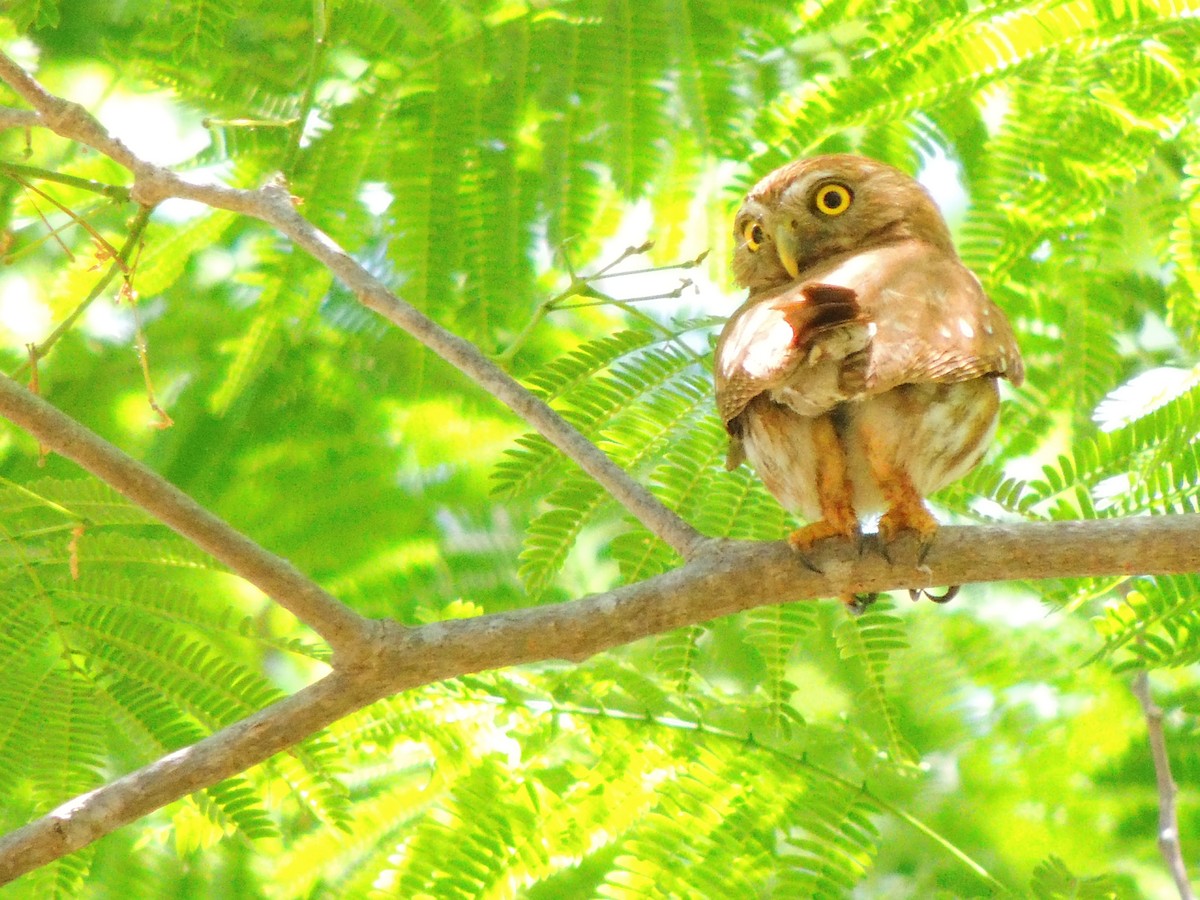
pixel 861 373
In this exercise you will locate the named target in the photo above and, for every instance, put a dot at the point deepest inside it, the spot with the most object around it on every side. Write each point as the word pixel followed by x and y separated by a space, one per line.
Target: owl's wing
pixel 932 320
pixel 861 323
pixel 809 326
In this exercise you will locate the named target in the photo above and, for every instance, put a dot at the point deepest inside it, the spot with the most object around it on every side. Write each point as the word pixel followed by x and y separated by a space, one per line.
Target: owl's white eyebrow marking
pixel 801 186
pixel 965 327
pixel 945 331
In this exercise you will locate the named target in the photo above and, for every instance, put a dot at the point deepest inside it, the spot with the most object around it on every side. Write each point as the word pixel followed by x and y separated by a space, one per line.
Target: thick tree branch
pixel 274 206
pixel 1168 821
pixel 724 577
pixel 339 625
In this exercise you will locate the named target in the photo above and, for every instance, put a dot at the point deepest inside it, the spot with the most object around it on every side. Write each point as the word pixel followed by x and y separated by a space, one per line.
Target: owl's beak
pixel 785 246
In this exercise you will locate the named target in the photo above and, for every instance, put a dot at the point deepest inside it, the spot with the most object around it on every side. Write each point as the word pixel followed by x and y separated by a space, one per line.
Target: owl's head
pixel 809 210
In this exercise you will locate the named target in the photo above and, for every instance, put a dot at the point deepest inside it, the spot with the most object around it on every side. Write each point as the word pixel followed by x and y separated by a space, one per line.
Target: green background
pixel 473 155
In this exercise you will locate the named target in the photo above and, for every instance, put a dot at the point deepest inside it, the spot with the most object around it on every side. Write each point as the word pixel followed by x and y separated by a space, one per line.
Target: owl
pixel 861 374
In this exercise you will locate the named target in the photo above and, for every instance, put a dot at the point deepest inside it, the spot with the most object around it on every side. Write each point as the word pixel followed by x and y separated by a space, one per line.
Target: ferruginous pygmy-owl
pixel 861 373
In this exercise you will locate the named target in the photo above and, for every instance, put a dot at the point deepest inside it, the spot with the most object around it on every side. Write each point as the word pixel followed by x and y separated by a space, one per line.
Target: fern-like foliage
pixel 871 638
pixel 115 631
pixel 1053 880
pixel 684 795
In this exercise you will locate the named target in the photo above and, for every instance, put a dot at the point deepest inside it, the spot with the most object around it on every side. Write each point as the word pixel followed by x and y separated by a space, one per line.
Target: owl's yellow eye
pixel 754 236
pixel 833 199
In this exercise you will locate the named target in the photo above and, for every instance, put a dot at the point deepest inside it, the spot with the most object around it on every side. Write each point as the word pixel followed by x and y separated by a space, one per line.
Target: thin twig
pixel 108 249
pixel 120 263
pixel 1168 821
pixel 141 343
pixel 50 229
pixel 18 118
pixel 310 86
pixel 35 243
pixel 686 264
pixel 605 300
pixel 643 247
pixel 581 285
pixel 112 191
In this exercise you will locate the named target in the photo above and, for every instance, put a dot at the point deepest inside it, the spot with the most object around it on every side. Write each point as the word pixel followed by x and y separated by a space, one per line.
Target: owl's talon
pixel 908 515
pixel 949 594
pixel 802 539
pixel 860 542
pixel 807 563
pixel 923 548
pixel 857 604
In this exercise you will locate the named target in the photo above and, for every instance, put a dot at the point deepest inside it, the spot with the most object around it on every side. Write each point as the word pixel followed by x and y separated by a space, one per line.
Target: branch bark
pixel 1168 821
pixel 18 118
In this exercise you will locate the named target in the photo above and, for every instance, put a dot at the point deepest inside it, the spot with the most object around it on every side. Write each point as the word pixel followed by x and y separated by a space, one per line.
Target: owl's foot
pixel 834 492
pixel 914 516
pixel 906 511
pixel 803 539
pixel 910 514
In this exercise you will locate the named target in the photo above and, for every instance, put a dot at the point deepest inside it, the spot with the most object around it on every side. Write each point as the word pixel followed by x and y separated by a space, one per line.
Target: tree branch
pixel 84 184
pixel 1168 821
pixel 18 118
pixel 724 577
pixel 339 625
pixel 273 205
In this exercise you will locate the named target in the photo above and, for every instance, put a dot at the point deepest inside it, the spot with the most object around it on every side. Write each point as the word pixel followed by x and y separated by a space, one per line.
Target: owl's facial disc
pixel 805 221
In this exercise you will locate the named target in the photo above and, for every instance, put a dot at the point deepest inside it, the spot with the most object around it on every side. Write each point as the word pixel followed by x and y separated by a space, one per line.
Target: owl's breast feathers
pixel 859 324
